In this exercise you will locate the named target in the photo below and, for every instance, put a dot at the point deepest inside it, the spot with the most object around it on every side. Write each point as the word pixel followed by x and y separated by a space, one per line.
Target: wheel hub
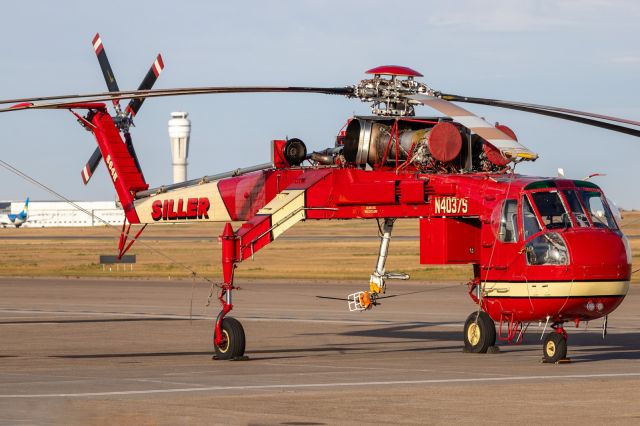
pixel 473 334
pixel 224 346
pixel 551 348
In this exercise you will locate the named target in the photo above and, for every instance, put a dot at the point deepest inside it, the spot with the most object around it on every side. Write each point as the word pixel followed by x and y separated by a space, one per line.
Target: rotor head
pixel 388 90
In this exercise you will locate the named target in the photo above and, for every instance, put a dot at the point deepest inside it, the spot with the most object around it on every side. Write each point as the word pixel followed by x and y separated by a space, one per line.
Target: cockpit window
pixel 551 209
pixel 530 224
pixel 600 213
pixel 505 221
pixel 576 208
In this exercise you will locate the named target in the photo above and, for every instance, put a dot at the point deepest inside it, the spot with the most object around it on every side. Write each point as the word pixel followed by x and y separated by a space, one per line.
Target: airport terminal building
pixel 44 214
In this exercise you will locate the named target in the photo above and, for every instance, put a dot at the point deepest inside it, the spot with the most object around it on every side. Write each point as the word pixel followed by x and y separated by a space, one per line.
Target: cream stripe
pixel 471 121
pixel 217 210
pixel 156 65
pixel 286 210
pixel 557 289
pixel 506 143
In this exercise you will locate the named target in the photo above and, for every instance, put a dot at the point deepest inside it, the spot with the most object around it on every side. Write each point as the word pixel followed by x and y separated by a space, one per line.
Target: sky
pixel 580 54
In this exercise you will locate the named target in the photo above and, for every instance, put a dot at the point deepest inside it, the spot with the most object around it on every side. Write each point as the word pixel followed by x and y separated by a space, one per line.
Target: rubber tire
pixel 234 332
pixel 487 329
pixel 554 348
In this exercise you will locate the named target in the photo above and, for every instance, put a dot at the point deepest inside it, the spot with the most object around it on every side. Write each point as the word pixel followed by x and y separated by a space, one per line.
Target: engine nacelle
pixel 422 144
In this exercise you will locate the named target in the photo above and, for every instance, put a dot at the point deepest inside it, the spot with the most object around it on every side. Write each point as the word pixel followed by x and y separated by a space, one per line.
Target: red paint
pixel 394 70
pixel 21 105
pixel 277 154
pixel 192 208
pixel 156 210
pixel 445 141
pixel 558 308
pixel 180 209
pixel 99 47
pixel 157 70
pixel 126 178
pixel 448 235
pixel 203 208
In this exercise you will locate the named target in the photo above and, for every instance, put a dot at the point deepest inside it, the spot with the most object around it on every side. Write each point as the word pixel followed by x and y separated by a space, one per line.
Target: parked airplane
pixel 16 219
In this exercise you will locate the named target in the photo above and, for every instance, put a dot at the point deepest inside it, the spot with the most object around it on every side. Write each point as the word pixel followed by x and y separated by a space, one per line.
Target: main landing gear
pixel 228 336
pixel 479 332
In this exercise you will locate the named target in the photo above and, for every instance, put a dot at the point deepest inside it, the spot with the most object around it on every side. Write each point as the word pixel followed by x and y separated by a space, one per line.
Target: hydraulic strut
pixel 225 297
pixel 364 300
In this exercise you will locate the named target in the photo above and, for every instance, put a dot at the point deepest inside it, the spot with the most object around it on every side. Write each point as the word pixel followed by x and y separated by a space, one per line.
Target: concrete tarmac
pixel 83 351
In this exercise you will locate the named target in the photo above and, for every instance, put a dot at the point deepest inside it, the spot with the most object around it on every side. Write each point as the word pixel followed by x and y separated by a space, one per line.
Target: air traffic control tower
pixel 179 130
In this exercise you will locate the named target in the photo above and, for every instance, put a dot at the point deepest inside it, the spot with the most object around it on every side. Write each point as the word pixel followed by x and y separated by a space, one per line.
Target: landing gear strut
pixel 228 337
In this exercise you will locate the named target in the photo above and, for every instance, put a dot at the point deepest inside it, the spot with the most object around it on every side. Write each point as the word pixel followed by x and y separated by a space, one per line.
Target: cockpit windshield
pixel 576 208
pixel 552 211
pixel 600 214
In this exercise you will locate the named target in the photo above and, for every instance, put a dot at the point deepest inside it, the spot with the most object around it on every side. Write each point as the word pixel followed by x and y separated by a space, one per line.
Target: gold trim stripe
pixel 556 289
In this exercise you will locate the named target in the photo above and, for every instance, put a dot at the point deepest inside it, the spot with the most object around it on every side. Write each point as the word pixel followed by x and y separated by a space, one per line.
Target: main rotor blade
pixel 27 103
pixel 507 104
pixel 552 113
pixel 147 83
pixel 105 66
pixel 509 147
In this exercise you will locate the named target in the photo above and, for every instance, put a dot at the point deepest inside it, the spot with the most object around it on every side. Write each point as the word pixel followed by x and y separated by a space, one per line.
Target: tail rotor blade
pixel 129 144
pixel 105 66
pixel 91 166
pixel 147 83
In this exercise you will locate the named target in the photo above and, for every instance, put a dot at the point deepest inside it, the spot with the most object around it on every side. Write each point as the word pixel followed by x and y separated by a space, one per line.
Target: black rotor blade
pixel 91 166
pixel 554 112
pixel 129 143
pixel 130 94
pixel 147 83
pixel 105 66
pixel 499 102
pixel 112 86
pixel 26 103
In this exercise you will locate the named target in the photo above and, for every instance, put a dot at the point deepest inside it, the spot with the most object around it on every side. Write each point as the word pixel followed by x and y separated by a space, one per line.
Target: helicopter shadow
pixel 583 347
pixel 413 331
pixel 591 347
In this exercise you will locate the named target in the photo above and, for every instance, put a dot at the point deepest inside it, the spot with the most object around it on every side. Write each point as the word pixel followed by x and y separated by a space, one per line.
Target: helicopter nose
pixel 598 254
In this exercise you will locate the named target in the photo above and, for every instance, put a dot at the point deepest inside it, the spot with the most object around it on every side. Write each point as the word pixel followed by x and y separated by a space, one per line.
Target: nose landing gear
pixel 554 348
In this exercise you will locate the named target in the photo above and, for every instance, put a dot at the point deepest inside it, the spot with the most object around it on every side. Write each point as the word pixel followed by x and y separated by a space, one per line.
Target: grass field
pixel 173 251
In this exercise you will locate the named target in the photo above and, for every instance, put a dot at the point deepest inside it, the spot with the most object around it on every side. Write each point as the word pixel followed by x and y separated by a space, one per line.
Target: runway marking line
pixel 321 385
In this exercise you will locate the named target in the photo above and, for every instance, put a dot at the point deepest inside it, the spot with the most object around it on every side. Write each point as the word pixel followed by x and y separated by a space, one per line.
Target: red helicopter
pixel 542 249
